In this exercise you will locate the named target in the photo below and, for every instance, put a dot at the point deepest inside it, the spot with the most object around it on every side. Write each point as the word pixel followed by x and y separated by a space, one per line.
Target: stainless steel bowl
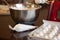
pixel 26 14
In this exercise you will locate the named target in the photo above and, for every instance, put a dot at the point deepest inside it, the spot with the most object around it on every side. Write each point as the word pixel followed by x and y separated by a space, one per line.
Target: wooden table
pixel 20 35
pixel 6 33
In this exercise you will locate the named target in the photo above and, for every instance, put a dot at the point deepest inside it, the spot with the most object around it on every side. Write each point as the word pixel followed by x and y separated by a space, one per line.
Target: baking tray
pixel 53 33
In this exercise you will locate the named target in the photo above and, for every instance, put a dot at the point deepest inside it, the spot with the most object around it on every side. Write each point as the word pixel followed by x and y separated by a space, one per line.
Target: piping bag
pixel 22 27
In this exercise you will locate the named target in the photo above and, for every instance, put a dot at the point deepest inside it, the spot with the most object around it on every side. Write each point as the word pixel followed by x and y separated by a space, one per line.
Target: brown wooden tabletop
pixel 6 33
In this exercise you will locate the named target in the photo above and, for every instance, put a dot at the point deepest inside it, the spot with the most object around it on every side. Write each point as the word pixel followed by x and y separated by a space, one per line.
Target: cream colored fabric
pixel 4 9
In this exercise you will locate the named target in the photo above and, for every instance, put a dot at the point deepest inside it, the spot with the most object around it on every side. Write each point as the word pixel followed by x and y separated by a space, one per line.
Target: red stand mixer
pixel 54 11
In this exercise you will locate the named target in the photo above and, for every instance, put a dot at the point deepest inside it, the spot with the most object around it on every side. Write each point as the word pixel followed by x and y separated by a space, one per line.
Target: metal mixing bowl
pixel 26 14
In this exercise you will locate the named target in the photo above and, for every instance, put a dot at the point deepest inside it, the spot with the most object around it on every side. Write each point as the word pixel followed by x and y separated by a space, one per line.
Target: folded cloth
pixel 4 9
